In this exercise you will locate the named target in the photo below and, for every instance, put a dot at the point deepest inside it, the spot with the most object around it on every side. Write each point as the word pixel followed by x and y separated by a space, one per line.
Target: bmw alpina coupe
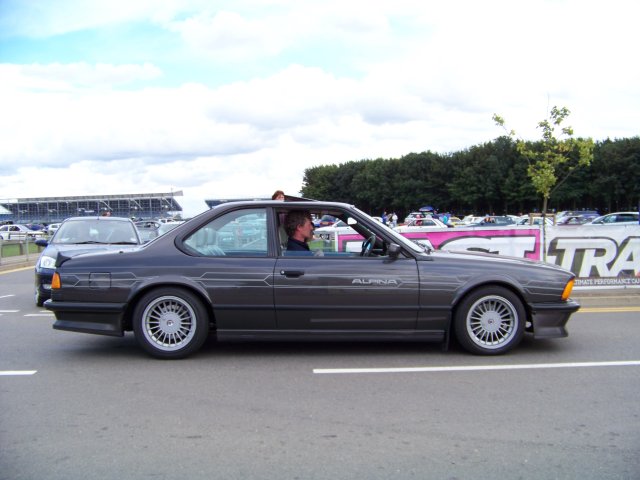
pixel 228 273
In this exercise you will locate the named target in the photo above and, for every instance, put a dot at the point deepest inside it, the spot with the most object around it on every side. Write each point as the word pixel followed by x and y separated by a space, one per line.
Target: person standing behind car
pixel 278 195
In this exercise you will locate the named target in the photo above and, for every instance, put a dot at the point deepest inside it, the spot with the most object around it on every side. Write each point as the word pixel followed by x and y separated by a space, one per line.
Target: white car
pixel 421 225
pixel 52 228
pixel 329 233
pixel 469 219
pixel 525 220
pixel 617 218
pixel 19 232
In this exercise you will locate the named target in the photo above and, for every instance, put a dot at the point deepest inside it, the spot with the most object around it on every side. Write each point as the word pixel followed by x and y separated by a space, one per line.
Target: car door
pixel 345 291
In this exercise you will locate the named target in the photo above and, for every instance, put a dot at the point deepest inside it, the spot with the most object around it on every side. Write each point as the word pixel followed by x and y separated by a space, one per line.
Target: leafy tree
pixel 616 174
pixel 482 178
pixel 318 182
pixel 554 159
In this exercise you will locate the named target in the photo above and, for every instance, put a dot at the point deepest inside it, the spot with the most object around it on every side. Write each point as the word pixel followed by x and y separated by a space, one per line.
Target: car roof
pixel 300 205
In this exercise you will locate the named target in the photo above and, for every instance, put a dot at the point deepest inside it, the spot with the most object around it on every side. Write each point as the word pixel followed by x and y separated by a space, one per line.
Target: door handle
pixel 292 273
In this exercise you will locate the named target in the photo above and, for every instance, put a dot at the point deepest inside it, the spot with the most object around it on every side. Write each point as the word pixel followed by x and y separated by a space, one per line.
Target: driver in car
pixel 299 228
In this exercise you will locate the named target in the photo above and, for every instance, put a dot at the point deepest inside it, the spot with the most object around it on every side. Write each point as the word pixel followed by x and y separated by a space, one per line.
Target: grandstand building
pixel 56 209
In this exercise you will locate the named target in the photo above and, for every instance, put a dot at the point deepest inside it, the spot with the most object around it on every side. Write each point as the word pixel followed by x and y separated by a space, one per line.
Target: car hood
pixel 492 257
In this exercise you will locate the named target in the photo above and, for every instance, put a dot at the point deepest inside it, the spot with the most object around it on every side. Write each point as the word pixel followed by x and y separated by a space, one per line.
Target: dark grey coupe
pixel 227 272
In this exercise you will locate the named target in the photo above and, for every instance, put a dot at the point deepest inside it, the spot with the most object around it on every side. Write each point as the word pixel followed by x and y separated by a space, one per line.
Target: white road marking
pixel 9 311
pixel 5 373
pixel 608 309
pixel 7 296
pixel 477 367
pixel 44 314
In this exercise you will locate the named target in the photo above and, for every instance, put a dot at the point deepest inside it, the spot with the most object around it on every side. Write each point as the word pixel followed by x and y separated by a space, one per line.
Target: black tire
pixel 490 321
pixel 170 323
pixel 39 299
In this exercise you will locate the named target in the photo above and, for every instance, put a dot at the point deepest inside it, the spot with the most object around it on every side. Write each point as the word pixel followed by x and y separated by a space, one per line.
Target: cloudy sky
pixel 227 99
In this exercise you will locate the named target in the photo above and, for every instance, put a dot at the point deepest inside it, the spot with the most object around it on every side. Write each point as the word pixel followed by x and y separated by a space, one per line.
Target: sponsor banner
pixel 598 255
pixel 348 242
pixel 516 242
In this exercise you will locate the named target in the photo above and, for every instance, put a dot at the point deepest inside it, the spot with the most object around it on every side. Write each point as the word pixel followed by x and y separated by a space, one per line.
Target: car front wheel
pixel 490 321
pixel 170 323
pixel 39 299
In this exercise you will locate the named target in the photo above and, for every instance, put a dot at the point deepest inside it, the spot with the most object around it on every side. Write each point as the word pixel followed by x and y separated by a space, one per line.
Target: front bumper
pixel 96 318
pixel 550 319
pixel 43 283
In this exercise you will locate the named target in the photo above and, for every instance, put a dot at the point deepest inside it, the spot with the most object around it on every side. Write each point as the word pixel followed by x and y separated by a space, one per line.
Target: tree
pixel 318 182
pixel 553 160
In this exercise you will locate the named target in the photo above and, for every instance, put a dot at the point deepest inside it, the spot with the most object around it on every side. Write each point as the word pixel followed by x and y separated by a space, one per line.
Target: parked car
pixel 377 285
pixel 415 215
pixel 494 221
pixel 421 225
pixel 469 219
pixel 52 228
pixel 526 220
pixel 77 235
pixel 591 214
pixel 329 233
pixel 19 232
pixel 575 219
pixel 325 221
pixel 454 221
pixel 617 218
pixel 35 226
pixel 147 229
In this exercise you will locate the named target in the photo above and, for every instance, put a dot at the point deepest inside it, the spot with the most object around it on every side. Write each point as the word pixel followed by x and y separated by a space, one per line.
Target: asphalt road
pixel 76 406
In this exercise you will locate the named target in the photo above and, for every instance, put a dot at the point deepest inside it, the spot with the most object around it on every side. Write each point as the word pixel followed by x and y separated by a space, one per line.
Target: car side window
pixel 344 238
pixel 241 233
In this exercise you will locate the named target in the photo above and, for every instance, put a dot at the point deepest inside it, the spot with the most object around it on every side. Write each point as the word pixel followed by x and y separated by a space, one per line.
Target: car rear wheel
pixel 170 323
pixel 490 321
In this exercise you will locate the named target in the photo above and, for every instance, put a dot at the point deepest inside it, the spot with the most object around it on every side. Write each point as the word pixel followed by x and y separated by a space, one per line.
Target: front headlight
pixel 47 262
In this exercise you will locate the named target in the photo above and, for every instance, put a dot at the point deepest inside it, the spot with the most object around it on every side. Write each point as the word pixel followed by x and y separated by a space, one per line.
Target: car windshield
pixel 94 231
pixel 397 238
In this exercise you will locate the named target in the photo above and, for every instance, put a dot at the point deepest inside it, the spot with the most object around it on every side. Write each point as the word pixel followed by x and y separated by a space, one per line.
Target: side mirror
pixel 394 250
pixel 41 242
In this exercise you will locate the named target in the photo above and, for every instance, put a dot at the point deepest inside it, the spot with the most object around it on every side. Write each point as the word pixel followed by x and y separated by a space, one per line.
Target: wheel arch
pixel 134 299
pixel 499 282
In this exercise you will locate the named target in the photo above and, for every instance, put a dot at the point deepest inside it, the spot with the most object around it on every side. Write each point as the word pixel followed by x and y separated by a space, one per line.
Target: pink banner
pixel 516 242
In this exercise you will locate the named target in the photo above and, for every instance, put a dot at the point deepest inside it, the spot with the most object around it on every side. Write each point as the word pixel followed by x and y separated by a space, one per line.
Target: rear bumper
pixel 96 318
pixel 550 319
